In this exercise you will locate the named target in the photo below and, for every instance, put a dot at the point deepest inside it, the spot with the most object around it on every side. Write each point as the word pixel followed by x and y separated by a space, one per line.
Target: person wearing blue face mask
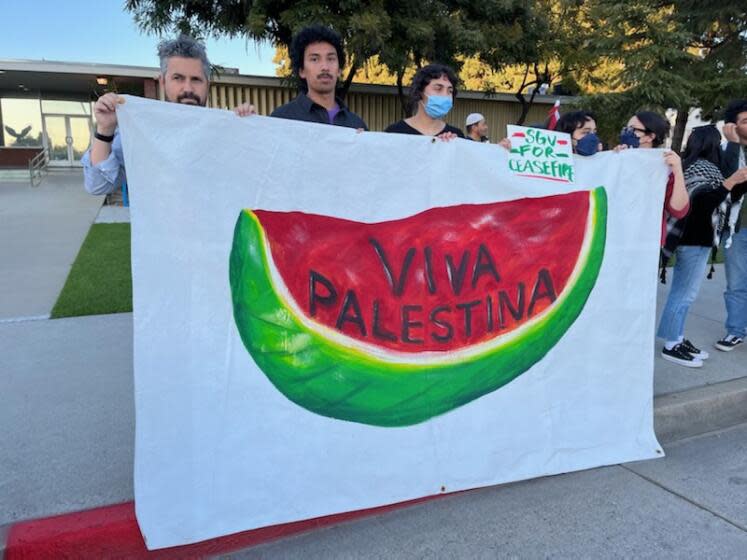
pixel 582 126
pixel 432 94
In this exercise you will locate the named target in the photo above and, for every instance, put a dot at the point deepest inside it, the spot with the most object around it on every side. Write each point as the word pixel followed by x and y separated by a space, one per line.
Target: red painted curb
pixel 112 532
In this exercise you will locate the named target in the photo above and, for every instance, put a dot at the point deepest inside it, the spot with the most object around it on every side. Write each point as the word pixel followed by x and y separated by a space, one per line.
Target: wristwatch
pixel 103 137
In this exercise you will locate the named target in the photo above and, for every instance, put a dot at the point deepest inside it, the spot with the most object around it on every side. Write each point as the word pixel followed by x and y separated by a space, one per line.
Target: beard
pixel 189 98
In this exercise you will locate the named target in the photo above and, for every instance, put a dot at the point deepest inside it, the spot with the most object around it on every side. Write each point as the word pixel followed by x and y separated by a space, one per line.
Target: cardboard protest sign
pixel 327 321
pixel 541 154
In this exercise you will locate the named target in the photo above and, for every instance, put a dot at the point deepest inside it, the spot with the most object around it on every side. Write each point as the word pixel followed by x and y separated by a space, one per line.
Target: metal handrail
pixel 38 166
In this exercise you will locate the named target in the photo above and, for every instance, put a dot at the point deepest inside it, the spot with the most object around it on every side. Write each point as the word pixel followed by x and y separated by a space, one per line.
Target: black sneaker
pixel 729 342
pixel 697 352
pixel 680 356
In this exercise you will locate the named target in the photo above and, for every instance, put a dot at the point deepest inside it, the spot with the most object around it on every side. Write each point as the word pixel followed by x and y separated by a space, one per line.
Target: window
pixel 21 122
pixel 66 107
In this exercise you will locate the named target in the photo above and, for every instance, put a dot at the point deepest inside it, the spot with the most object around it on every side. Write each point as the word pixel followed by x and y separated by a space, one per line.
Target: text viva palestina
pixel 420 310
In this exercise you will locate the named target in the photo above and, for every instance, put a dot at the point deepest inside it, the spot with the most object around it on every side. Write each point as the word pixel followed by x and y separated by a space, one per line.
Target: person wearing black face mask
pixel 582 126
pixel 646 130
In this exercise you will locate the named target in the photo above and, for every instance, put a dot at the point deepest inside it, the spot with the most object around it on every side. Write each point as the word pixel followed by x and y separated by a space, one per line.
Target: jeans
pixel 687 277
pixel 735 295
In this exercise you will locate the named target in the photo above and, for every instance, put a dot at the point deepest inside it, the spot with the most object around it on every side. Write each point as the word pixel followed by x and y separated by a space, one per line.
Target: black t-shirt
pixel 401 127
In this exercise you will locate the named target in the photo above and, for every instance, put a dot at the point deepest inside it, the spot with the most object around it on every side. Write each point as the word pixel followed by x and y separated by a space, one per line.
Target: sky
pixel 103 32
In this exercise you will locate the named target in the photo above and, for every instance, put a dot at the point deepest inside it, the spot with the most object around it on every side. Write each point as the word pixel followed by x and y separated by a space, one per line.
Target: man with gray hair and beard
pixel 184 78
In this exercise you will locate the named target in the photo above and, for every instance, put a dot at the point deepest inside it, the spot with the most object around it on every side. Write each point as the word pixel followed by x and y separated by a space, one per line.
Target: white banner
pixel 326 320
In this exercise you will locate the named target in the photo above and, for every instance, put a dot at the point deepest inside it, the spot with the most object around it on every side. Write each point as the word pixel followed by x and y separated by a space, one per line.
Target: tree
pixel 673 54
pixel 550 52
pixel 402 33
pixel 719 38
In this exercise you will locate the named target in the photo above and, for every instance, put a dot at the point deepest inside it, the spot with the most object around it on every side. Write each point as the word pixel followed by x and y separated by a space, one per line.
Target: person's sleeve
pixel 282 112
pixel 729 159
pixel 106 176
pixel 682 212
pixel 679 214
pixel 738 191
pixel 711 198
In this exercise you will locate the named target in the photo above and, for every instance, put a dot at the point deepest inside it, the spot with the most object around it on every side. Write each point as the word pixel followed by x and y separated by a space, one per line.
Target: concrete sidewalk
pixel 42 229
pixel 692 504
pixel 67 420
pixel 704 326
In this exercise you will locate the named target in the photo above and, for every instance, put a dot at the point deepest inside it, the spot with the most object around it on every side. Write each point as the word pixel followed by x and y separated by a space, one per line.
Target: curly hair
pixel 425 76
pixel 308 36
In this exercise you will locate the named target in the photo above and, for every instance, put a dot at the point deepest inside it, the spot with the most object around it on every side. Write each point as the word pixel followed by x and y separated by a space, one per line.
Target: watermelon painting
pixel 393 323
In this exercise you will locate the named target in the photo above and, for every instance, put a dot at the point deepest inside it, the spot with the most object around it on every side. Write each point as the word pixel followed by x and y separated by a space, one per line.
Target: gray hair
pixel 186 47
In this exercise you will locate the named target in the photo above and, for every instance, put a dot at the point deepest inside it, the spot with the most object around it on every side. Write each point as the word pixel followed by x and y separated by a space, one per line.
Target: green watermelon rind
pixel 325 375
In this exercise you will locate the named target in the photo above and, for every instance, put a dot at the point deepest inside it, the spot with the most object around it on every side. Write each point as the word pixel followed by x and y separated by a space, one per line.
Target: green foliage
pixel 400 33
pixel 622 56
pixel 673 54
pixel 100 279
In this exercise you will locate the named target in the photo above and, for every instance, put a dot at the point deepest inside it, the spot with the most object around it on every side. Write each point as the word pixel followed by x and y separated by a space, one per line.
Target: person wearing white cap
pixel 477 128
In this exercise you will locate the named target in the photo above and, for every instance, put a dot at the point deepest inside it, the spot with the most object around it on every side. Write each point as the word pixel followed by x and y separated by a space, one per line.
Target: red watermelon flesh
pixel 441 280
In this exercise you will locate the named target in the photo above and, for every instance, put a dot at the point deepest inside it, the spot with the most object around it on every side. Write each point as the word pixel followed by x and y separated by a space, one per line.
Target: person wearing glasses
pixel 647 130
pixel 700 234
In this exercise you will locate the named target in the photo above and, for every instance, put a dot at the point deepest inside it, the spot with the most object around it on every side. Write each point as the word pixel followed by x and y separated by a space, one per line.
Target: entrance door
pixel 67 138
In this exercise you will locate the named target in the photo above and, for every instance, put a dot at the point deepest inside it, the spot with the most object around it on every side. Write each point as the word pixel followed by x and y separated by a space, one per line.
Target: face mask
pixel 629 138
pixel 438 106
pixel 588 145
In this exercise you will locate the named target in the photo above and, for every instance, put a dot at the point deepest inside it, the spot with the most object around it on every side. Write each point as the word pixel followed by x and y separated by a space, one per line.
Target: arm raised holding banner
pixel 678 201
pixel 646 130
pixel 184 78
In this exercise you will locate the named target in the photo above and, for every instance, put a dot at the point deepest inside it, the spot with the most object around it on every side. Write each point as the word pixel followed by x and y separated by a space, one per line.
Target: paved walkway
pixel 705 325
pixel 41 229
pixel 692 504
pixel 113 215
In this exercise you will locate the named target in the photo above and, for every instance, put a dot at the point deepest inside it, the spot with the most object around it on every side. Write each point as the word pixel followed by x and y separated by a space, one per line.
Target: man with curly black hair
pixel 317 58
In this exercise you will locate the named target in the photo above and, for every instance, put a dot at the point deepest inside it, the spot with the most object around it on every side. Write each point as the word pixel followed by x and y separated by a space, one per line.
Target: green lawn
pixel 100 280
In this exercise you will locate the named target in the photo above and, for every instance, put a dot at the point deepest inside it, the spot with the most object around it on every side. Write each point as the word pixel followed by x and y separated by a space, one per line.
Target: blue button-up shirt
pixel 108 175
